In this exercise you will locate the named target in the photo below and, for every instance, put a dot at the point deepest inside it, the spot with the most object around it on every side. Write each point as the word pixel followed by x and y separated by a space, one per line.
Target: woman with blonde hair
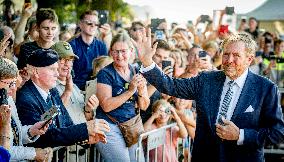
pixel 119 90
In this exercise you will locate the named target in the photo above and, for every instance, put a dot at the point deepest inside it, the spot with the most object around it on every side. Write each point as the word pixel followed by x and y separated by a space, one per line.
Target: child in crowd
pixel 162 111
pixel 98 64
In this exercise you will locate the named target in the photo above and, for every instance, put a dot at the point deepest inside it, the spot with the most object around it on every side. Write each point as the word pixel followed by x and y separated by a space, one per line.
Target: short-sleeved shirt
pixel 83 67
pixel 126 111
pixel 76 103
pixel 26 50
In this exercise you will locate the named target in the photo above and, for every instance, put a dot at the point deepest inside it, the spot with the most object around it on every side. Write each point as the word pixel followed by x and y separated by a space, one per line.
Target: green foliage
pixel 70 10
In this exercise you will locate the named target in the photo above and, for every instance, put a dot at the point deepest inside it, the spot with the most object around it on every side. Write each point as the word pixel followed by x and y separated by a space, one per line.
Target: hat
pixel 224 29
pixel 42 58
pixel 64 49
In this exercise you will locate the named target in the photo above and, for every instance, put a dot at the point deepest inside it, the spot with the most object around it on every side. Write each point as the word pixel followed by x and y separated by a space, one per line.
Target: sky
pixel 182 10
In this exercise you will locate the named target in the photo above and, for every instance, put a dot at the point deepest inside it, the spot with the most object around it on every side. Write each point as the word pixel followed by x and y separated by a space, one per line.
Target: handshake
pixel 96 130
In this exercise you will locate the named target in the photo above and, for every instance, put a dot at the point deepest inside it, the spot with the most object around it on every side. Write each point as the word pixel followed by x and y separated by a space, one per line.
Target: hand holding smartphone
pixel 49 115
pixel 166 63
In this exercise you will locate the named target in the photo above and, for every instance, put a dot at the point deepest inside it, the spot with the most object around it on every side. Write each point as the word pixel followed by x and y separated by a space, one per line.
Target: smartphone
pixel 204 18
pixel 49 115
pixel 166 63
pixel 139 63
pixel 159 34
pixel 229 10
pixel 202 54
pixel 3 97
pixel 28 3
pixel 103 16
pixel 47 121
pixel 53 111
pixel 155 23
pixel 189 23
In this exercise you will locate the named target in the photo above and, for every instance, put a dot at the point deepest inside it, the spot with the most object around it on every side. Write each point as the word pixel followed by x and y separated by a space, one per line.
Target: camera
pixel 103 16
pixel 3 97
pixel 229 10
pixel 167 110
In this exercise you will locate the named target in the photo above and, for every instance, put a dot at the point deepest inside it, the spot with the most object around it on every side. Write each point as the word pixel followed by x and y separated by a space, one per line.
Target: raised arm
pixel 181 88
pixel 20 29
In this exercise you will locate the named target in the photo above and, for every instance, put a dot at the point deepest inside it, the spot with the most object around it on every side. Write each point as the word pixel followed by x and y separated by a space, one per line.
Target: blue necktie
pixel 49 103
pixel 226 102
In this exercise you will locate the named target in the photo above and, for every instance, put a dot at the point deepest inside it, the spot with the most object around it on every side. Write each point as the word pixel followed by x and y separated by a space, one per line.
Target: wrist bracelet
pixel 140 95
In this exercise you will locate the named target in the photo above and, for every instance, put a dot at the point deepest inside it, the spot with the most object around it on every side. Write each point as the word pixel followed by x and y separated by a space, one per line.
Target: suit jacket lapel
pixel 37 95
pixel 246 96
pixel 216 92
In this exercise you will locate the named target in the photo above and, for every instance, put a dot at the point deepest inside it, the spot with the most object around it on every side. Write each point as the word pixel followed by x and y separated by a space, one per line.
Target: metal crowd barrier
pixel 155 138
pixel 91 154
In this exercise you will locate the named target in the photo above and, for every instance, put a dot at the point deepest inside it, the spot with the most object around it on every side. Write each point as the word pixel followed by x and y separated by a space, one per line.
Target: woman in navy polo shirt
pixel 120 92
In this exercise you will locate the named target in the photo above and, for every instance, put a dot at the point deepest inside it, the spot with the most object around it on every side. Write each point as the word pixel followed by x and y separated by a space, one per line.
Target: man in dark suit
pixel 38 95
pixel 237 111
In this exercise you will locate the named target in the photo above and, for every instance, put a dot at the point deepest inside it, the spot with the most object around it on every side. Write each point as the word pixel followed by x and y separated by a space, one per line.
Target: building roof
pixel 269 10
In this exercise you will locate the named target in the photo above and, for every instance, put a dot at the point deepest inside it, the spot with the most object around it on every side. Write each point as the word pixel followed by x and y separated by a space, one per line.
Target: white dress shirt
pixel 43 93
pixel 237 89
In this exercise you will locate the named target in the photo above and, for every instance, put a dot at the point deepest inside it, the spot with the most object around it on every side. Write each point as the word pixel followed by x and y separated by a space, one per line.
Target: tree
pixel 70 10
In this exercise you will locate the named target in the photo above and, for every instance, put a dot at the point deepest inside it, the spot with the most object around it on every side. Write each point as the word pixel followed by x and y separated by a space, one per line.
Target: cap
pixel 64 49
pixel 42 58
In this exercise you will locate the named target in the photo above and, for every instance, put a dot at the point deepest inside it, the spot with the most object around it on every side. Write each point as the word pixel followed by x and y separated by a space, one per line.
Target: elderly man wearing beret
pixel 39 94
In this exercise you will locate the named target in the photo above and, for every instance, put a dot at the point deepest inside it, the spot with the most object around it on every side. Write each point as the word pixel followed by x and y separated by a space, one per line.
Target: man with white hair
pixel 39 94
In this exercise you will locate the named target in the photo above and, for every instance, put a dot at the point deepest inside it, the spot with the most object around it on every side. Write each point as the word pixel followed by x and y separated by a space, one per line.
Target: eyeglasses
pixel 90 23
pixel 137 29
pixel 11 84
pixel 63 61
pixel 122 51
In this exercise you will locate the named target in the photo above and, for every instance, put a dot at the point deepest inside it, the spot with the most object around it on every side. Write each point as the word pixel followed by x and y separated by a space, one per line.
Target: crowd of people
pixel 99 79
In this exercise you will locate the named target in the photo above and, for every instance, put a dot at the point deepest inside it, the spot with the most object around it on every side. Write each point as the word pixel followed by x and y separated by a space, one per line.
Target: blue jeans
pixel 115 149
